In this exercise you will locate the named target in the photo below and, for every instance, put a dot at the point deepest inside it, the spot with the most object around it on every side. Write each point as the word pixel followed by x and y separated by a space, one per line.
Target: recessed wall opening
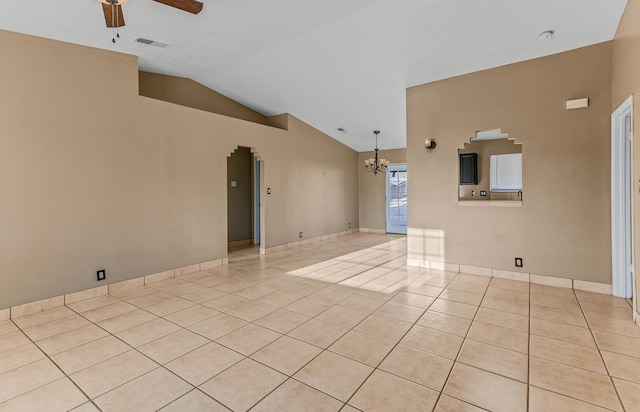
pixel 490 168
pixel 243 199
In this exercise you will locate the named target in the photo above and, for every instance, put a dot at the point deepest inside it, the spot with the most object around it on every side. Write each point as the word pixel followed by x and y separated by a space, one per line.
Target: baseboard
pixel 57 301
pixel 49 303
pixel 238 243
pixel 539 279
pixel 303 242
pixel 367 230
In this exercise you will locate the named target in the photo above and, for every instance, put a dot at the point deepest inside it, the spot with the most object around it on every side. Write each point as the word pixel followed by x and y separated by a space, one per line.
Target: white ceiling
pixel 331 63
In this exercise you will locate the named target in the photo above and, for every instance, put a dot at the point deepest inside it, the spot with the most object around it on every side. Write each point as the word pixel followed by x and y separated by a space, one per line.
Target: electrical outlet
pixel 518 262
pixel 102 274
pixel 349 225
pixel 300 235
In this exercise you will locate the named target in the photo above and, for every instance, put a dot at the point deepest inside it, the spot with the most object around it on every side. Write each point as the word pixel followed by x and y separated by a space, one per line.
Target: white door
pixel 256 201
pixel 621 201
pixel 628 190
pixel 397 199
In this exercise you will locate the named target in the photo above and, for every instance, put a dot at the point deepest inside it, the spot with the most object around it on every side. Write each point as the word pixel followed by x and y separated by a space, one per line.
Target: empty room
pixel 412 205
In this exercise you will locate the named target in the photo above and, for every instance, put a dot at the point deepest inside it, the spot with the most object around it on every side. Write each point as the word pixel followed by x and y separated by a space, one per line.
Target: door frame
pixel 622 280
pixel 256 206
pixel 396 167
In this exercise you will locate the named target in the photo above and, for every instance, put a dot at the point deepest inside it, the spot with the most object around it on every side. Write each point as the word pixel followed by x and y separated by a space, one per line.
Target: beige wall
pixel 187 92
pixel 563 227
pixel 95 176
pixel 372 194
pixel 626 82
pixel 484 149
pixel 239 206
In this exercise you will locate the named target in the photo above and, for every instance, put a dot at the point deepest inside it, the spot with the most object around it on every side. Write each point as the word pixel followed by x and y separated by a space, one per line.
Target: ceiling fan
pixel 114 17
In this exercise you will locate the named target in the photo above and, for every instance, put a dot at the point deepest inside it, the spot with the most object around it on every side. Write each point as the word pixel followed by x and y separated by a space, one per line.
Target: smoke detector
pixel 546 35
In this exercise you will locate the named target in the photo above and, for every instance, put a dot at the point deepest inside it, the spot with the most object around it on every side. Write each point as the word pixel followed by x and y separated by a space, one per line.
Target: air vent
pixel 151 42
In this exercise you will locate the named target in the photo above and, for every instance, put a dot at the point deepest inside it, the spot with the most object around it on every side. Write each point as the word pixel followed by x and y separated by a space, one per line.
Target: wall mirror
pixel 490 168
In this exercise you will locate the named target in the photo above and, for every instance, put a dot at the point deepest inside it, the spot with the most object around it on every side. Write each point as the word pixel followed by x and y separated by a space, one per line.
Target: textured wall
pixel 563 227
pixel 95 176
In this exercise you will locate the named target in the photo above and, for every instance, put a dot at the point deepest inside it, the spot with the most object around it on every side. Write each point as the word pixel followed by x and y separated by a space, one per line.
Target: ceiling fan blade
pixel 116 20
pixel 191 6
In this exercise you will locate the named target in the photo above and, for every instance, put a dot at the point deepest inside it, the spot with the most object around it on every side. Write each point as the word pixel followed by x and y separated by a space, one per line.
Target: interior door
pixel 397 199
pixel 628 190
pixel 256 201
pixel 622 201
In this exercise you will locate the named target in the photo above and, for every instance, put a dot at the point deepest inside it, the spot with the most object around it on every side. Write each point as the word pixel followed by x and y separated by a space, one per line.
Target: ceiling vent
pixel 151 42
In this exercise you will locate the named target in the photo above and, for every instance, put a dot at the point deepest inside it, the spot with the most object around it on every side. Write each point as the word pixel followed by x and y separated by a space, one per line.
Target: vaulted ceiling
pixel 332 63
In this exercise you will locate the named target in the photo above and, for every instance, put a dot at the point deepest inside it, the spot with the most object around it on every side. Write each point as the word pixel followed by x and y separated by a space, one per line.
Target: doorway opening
pixel 397 198
pixel 622 200
pixel 243 199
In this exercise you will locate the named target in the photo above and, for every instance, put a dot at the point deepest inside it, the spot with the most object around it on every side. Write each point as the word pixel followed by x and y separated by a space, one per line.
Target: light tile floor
pixel 337 325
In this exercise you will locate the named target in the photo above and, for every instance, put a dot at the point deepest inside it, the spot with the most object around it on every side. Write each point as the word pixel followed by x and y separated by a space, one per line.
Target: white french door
pixel 621 200
pixel 397 198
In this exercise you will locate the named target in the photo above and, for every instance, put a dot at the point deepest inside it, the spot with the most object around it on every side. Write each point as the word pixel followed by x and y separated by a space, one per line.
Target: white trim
pixel 237 243
pixel 476 270
pixel 621 283
pixel 368 230
pixel 37 306
pixel 185 270
pixel 396 167
pixel 86 294
pixel 519 276
pixel 57 301
pixel 280 248
pixel 126 284
pixel 592 287
pixel 487 203
pixel 550 281
pixel 508 274
pixel 419 263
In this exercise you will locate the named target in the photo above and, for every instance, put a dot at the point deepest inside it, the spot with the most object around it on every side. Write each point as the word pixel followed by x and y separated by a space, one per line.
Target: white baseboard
pixel 520 276
pixel 367 230
pixel 303 242
pixel 239 243
pixel 50 303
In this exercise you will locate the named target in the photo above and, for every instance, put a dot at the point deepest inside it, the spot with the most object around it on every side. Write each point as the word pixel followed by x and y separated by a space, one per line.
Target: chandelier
pixel 376 165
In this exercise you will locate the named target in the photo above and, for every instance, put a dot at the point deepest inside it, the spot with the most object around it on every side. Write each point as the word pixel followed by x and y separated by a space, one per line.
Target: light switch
pixel 234 183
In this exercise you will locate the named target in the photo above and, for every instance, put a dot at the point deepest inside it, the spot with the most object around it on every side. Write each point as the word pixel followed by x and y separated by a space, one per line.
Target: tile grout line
pixel 159 365
pixel 577 367
pixel 375 368
pixel 57 366
pixel 135 348
pixel 389 299
pixel 461 346
pixel 599 352
pixel 323 350
pixel 248 357
pixel 185 328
